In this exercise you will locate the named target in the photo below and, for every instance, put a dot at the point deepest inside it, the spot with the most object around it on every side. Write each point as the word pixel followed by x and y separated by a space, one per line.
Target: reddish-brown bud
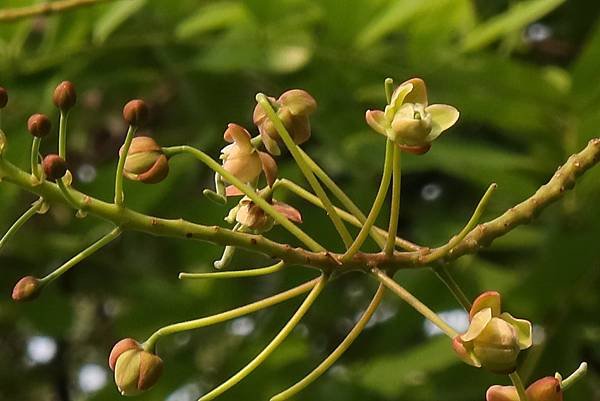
pixel 124 345
pixel 3 97
pixel 26 289
pixel 39 125
pixel 64 96
pixel 136 370
pixel 136 112
pixel 545 389
pixel 55 167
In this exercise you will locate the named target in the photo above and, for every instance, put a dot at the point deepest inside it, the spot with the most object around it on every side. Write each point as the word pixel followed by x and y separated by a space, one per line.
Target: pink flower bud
pixel 136 370
pixel 135 112
pixel 64 96
pixel 145 161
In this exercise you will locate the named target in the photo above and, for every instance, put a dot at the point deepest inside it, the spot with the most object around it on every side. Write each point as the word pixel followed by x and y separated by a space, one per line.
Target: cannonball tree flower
pixel 136 370
pixel 409 120
pixel 293 107
pixel 243 160
pixel 545 389
pixel 494 338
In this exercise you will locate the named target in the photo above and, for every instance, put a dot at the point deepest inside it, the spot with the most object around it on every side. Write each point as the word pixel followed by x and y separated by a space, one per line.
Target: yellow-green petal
pixel 443 115
pixel 478 323
pixel 418 93
pixel 523 328
pixel 397 100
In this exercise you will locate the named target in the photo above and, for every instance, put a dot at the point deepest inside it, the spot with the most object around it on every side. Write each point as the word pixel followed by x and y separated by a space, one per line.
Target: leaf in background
pixel 114 17
pixel 391 19
pixel 585 73
pixel 390 375
pixel 212 17
pixel 517 17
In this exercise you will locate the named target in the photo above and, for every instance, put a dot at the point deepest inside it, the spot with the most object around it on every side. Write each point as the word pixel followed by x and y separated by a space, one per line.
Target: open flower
pixel 293 107
pixel 545 389
pixel 243 160
pixel 494 339
pixel 409 120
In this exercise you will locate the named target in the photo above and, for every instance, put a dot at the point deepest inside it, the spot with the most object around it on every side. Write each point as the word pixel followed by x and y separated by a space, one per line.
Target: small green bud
pixel 39 125
pixel 54 166
pixel 3 97
pixel 136 371
pixel 145 161
pixel 136 112
pixel 26 289
pixel 64 96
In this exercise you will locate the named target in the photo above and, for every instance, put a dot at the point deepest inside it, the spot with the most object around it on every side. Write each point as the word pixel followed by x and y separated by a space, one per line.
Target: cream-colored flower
pixel 409 120
pixel 494 338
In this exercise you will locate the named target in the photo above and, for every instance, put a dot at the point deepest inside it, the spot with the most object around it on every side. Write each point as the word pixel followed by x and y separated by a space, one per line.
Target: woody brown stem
pixel 482 235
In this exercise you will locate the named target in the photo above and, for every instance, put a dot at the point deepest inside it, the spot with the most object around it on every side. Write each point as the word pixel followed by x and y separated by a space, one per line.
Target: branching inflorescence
pixel 408 123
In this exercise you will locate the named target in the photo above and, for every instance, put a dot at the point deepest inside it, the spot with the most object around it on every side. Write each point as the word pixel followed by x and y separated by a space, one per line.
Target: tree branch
pixel 45 8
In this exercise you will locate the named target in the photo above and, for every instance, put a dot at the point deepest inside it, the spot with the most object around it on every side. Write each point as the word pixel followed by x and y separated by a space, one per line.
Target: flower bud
pixel 123 345
pixel 293 107
pixel 26 289
pixel 39 125
pixel 136 370
pixel 145 161
pixel 494 339
pixel 64 96
pixel 3 97
pixel 545 389
pixel 55 167
pixel 135 112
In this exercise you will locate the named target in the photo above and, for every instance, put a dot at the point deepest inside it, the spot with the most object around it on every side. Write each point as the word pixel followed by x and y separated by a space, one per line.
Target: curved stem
pixel 67 194
pixel 444 250
pixel 249 192
pixel 35 207
pixel 305 169
pixel 414 302
pixel 105 240
pixel 122 157
pixel 62 135
pixel 518 383
pixel 268 350
pixel 35 151
pixel 395 208
pixel 444 275
pixel 230 314
pixel 378 234
pixel 236 273
pixel 339 351
pixel 573 377
pixel 379 198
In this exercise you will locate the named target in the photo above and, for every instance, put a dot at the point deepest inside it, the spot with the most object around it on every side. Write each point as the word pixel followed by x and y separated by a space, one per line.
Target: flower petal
pixel 376 120
pixel 238 134
pixel 523 328
pixel 464 353
pixel 488 299
pixel 443 115
pixel 478 323
pixel 288 211
pixel 418 93
pixel 397 99
pixel 501 393
pixel 269 167
pixel 298 102
pixel 233 191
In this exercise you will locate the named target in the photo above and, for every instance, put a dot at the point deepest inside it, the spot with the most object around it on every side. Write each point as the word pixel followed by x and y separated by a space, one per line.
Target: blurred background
pixel 524 75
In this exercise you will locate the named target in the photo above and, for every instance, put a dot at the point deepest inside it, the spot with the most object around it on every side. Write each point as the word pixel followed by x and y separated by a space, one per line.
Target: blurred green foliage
pixel 523 73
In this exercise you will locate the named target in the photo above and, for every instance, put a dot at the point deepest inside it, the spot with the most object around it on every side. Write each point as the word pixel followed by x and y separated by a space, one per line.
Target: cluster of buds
pixel 409 121
pixel 136 370
pixel 494 338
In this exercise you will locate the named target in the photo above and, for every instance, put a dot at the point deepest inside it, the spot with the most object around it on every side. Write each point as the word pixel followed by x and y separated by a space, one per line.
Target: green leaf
pixel 517 17
pixel 212 17
pixel 391 375
pixel 114 17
